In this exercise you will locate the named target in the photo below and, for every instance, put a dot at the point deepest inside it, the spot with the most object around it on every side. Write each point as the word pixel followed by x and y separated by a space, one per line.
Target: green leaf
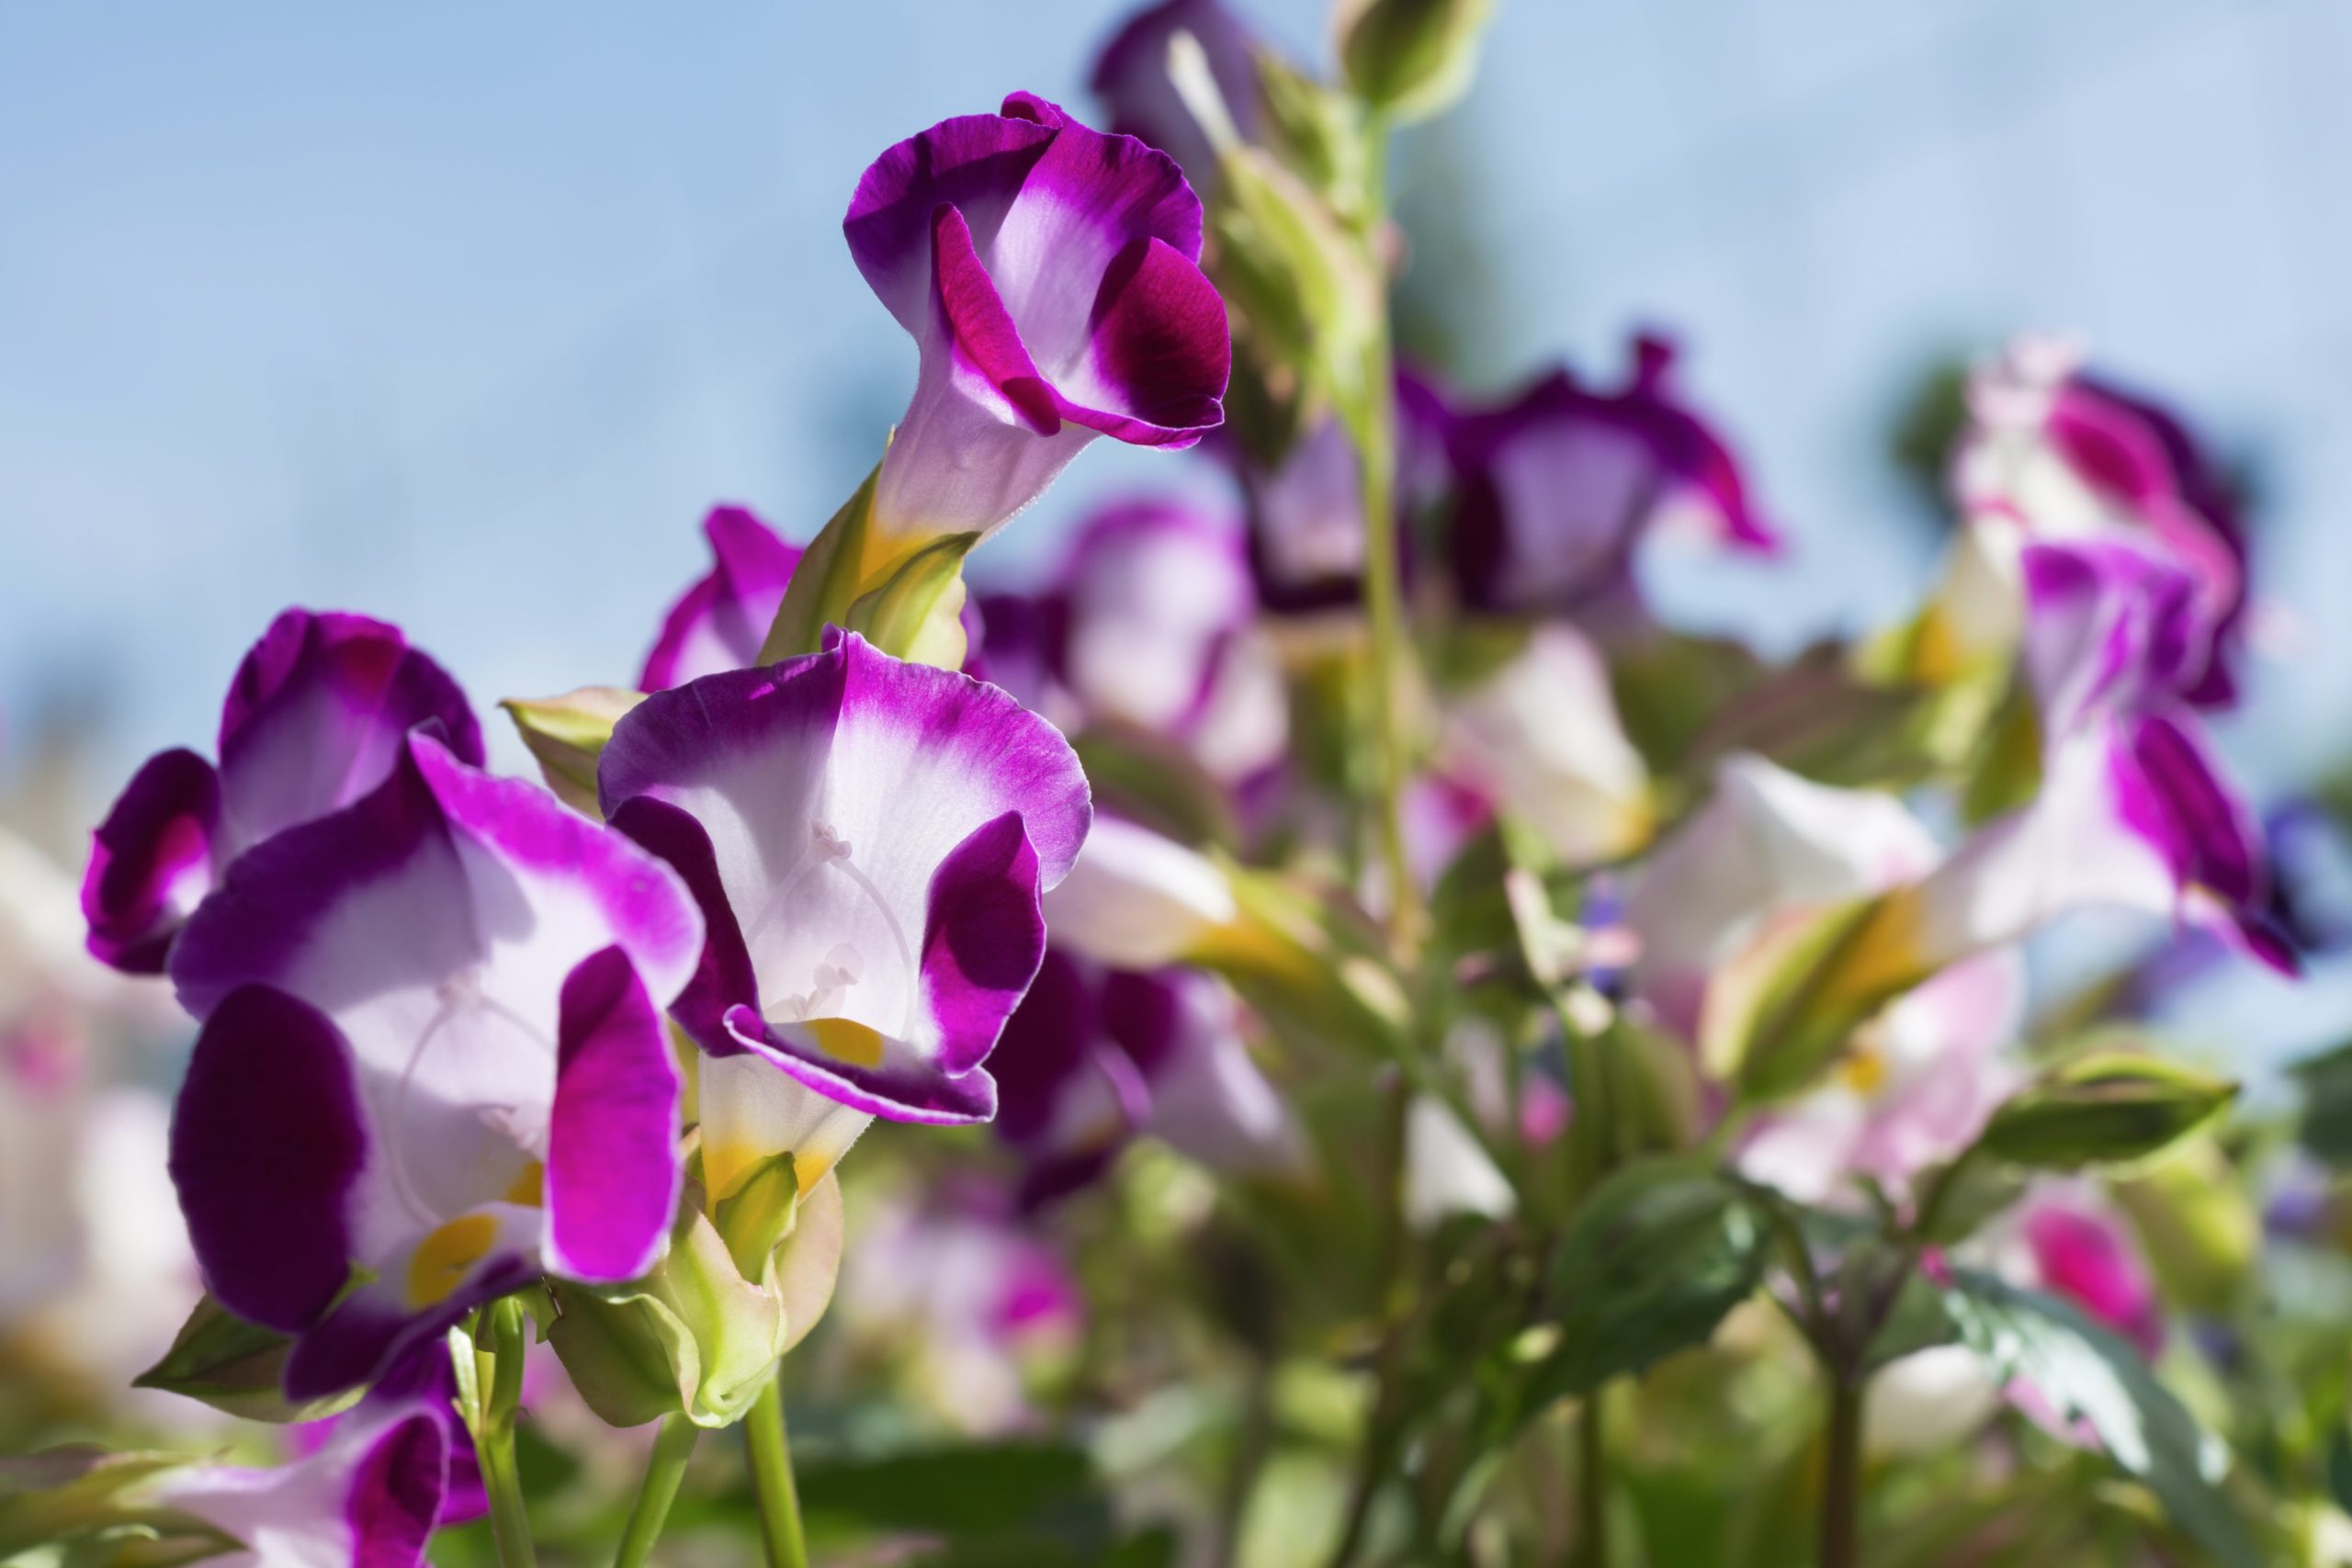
pixel 2103 1108
pixel 827 580
pixel 233 1365
pixel 2326 1129
pixel 84 1493
pixel 916 612
pixel 567 734
pixel 1650 1264
pixel 2090 1374
pixel 954 1490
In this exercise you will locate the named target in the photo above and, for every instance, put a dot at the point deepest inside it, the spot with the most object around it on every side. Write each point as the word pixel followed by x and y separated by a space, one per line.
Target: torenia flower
pixel 371 1493
pixel 721 622
pixel 1767 850
pixel 433 1053
pixel 1149 625
pixel 1049 274
pixel 867 840
pixel 2052 455
pixel 1541 735
pixel 1558 486
pixel 1136 899
pixel 313 721
pixel 971 1299
pixel 2134 811
pixel 1094 1057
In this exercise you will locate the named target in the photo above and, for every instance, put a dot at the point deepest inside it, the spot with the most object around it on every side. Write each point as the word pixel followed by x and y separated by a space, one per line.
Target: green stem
pixel 672 1445
pixel 500 1387
pixel 1592 1483
pixel 1841 1486
pixel 770 1453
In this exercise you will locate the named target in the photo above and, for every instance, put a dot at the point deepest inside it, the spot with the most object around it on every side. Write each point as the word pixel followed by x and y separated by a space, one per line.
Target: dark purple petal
pixel 612 1173
pixel 901 1085
pixel 1046 1042
pixel 267 1141
pixel 723 976
pixel 369 1333
pixel 315 718
pixel 721 621
pixel 1144 1013
pixel 975 164
pixel 397 1494
pixel 1131 79
pixel 982 940
pixel 1162 352
pixel 2208 834
pixel 152 860
pixel 1558 485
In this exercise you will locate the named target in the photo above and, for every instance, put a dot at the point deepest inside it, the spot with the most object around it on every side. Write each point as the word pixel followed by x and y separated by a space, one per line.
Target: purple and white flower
pixel 313 721
pixel 868 839
pixel 1922 1078
pixel 1148 624
pixel 1094 1057
pixel 1557 487
pixel 2053 455
pixel 1049 275
pixel 432 1054
pixel 372 1493
pixel 721 621
pixel 1541 736
pixel 2135 810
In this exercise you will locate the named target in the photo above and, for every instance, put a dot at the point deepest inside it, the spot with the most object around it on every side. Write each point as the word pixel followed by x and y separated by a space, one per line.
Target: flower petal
pixel 982 940
pixel 152 860
pixel 612 1169
pixel 315 718
pixel 975 164
pixel 268 1144
pixel 866 1070
pixel 721 621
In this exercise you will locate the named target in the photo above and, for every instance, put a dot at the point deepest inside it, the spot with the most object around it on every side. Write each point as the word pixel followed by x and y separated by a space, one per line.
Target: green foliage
pixel 2090 1374
pixel 2103 1108
pixel 235 1365
pixel 1649 1264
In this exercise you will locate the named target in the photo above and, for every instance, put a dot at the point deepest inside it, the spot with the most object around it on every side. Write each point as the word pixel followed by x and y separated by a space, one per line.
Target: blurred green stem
pixel 671 1448
pixel 770 1453
pixel 1841 1485
pixel 1592 1482
pixel 499 1381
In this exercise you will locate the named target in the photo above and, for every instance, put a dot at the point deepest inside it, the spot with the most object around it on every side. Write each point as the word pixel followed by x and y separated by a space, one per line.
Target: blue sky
pixel 462 314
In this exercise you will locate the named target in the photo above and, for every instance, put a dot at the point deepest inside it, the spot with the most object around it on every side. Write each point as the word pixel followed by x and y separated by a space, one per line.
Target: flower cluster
pixel 1331 994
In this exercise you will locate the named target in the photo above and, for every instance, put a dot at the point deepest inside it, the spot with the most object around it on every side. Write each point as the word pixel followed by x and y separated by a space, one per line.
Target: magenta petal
pixel 982 940
pixel 397 1492
pixel 612 1171
pixel 1162 352
pixel 152 860
pixel 980 327
pixel 975 164
pixel 267 1141
pixel 902 1087
pixel 721 621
